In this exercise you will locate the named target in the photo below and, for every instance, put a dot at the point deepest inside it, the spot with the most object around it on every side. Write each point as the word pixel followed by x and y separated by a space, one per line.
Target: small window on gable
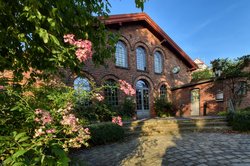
pixel 121 57
pixel 163 92
pixel 158 62
pixel 111 92
pixel 141 59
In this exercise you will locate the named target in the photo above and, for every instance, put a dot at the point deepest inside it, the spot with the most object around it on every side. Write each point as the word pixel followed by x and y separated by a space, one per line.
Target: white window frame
pixel 121 56
pixel 141 59
pixel 158 62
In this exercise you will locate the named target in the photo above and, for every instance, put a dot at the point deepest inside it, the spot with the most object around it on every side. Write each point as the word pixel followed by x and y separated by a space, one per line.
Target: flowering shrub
pixel 84 47
pixel 117 120
pixel 42 137
pixel 126 88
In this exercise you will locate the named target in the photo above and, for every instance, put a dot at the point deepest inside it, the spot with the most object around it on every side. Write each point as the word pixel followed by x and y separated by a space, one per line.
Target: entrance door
pixel 195 102
pixel 142 99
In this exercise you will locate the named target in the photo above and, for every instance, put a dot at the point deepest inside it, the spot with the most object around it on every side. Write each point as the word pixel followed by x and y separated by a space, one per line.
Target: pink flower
pixel 126 88
pixel 37 119
pixel 84 50
pixel 99 97
pixel 38 111
pixel 87 130
pixel 38 132
pixel 44 117
pixel 69 38
pixel 1 87
pixel 50 131
pixel 117 120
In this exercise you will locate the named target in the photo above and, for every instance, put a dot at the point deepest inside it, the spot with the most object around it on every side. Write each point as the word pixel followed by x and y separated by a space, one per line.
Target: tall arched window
pixel 141 59
pixel 82 83
pixel 110 92
pixel 82 86
pixel 158 62
pixel 163 92
pixel 121 57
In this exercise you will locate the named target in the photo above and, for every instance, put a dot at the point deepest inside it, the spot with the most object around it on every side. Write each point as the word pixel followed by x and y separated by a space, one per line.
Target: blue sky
pixel 205 29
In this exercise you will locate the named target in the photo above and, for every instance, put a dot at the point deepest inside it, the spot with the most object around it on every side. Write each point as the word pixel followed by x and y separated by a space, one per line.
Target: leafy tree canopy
pixel 202 75
pixel 32 34
pixel 232 68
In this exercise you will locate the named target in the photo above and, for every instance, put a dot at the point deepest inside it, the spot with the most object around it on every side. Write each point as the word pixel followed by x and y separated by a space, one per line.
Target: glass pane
pixel 121 54
pixel 138 99
pixel 141 58
pixel 141 84
pixel 81 84
pixel 163 92
pixel 110 93
pixel 145 99
pixel 158 62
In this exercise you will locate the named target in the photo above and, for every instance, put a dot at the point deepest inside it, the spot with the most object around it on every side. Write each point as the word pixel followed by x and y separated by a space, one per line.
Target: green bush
pixel 222 113
pixel 164 108
pixel 239 120
pixel 96 112
pixel 127 108
pixel 105 133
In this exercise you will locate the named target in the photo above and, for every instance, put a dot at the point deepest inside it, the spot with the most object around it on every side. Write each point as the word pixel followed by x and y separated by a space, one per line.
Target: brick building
pixel 148 59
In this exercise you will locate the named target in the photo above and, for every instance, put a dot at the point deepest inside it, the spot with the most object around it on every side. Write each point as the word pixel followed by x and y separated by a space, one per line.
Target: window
pixel 163 92
pixel 82 88
pixel 110 92
pixel 81 84
pixel 141 58
pixel 121 57
pixel 241 88
pixel 158 62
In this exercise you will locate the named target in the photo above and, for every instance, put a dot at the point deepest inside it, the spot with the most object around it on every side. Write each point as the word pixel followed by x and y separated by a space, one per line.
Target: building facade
pixel 148 59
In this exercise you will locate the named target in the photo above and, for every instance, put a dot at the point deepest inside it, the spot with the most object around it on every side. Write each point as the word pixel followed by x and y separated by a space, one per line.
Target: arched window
pixel 141 58
pixel 110 92
pixel 163 92
pixel 121 57
pixel 82 83
pixel 158 62
pixel 82 86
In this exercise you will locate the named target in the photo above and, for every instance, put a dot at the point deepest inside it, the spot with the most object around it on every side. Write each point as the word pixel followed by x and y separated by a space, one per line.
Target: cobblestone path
pixel 185 149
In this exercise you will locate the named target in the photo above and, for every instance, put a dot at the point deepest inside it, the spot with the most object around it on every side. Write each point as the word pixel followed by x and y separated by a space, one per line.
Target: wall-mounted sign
pixel 219 96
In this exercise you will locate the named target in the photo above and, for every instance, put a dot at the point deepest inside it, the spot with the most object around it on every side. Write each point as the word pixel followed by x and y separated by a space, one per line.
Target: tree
pixel 202 75
pixel 235 74
pixel 32 34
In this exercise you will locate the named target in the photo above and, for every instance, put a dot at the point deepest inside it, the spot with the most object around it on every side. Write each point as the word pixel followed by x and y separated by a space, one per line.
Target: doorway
pixel 195 102
pixel 142 99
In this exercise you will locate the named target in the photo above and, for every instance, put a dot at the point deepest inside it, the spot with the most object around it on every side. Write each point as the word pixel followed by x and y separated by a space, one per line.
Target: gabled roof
pixel 144 20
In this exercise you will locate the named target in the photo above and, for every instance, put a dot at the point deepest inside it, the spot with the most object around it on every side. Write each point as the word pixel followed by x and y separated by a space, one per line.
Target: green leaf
pixel 19 153
pixel 54 40
pixel 43 34
pixel 23 139
pixel 20 135
pixel 18 164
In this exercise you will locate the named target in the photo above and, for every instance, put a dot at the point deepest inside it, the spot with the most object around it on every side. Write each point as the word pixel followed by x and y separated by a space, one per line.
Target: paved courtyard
pixel 184 149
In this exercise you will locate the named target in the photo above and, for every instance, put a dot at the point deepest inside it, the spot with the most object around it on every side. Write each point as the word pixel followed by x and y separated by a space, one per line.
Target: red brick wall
pixel 208 91
pixel 134 36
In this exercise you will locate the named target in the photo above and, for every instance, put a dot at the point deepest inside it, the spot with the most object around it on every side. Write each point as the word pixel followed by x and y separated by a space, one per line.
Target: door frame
pixel 192 105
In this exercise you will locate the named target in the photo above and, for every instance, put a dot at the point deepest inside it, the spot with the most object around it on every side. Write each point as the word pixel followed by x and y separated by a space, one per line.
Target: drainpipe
pixel 205 108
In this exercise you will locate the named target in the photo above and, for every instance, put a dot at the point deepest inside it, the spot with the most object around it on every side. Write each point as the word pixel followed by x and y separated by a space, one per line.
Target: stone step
pixel 177 132
pixel 150 122
pixel 175 125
